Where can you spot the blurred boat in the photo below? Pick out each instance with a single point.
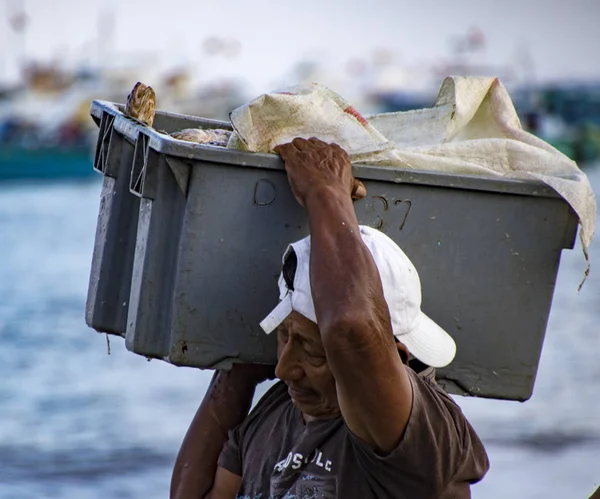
(31, 151)
(45, 129)
(44, 163)
(566, 115)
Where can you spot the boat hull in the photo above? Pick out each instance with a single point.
(19, 163)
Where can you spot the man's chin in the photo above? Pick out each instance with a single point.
(309, 411)
(313, 410)
(301, 396)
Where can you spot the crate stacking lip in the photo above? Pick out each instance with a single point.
(189, 242)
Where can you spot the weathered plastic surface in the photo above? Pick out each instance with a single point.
(112, 261)
(118, 153)
(213, 223)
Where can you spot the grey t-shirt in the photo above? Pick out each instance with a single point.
(279, 456)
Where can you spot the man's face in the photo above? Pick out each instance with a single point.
(302, 365)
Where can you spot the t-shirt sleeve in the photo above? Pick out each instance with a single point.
(231, 457)
(438, 451)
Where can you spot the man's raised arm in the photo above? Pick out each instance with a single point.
(373, 388)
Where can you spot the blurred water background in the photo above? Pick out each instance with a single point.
(77, 423)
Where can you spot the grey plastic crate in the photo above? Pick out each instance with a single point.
(120, 155)
(213, 223)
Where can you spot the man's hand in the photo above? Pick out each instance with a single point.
(312, 164)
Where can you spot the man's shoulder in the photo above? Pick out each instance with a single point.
(425, 382)
(276, 398)
(431, 399)
(433, 407)
(272, 416)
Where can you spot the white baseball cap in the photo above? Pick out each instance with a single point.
(425, 340)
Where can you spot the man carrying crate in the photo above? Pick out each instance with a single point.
(350, 418)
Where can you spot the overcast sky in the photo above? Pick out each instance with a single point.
(562, 37)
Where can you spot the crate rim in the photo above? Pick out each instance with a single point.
(164, 144)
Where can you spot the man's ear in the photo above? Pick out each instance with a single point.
(402, 350)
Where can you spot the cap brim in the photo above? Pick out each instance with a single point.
(429, 343)
(277, 315)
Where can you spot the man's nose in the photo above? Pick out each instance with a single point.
(288, 366)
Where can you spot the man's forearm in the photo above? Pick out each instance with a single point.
(344, 278)
(225, 405)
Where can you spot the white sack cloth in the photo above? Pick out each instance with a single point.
(473, 129)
